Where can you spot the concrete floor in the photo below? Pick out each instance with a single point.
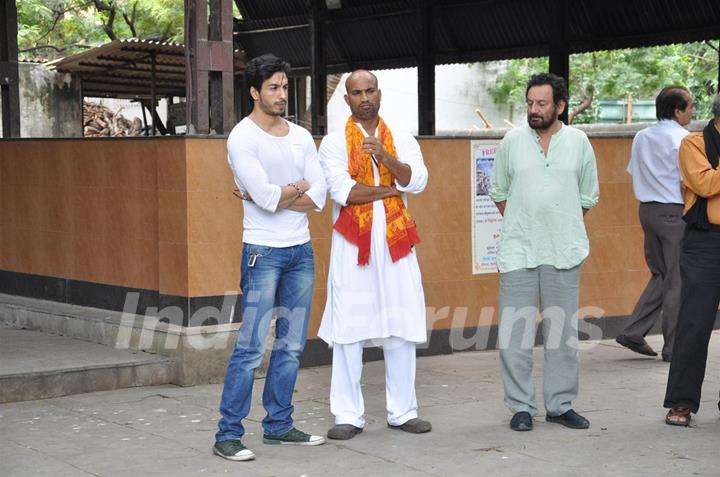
(22, 352)
(168, 430)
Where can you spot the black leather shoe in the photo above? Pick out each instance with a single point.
(641, 348)
(521, 421)
(570, 419)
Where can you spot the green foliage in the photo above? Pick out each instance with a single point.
(509, 87)
(56, 23)
(65, 26)
(162, 20)
(614, 75)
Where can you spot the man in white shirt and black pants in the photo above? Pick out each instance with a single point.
(657, 185)
(277, 171)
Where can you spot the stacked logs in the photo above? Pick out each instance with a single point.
(99, 120)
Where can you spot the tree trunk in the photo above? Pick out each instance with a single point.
(584, 104)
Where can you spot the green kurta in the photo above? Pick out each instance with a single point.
(543, 222)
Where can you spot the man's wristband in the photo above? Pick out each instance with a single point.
(297, 189)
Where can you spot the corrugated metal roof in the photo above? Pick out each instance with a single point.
(123, 68)
(377, 33)
(258, 10)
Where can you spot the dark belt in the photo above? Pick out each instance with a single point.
(660, 203)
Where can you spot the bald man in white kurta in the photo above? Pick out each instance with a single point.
(378, 304)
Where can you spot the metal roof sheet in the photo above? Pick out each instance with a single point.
(386, 33)
(123, 68)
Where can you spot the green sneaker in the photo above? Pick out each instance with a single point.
(294, 436)
(233, 449)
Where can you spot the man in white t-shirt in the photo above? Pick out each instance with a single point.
(277, 171)
(374, 293)
(656, 182)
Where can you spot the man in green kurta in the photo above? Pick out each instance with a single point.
(544, 181)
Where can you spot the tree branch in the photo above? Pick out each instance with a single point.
(584, 104)
(101, 6)
(131, 20)
(108, 27)
(52, 47)
(59, 13)
(716, 48)
(587, 98)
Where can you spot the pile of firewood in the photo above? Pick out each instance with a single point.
(99, 120)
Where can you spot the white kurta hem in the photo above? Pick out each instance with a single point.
(382, 299)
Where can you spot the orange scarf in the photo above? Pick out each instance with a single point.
(355, 220)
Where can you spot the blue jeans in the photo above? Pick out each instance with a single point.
(276, 282)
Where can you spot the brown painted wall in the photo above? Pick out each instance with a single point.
(160, 214)
(84, 210)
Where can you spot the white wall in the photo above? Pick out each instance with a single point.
(49, 103)
(459, 91)
(399, 100)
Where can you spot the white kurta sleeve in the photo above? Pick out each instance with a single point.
(409, 153)
(333, 160)
(314, 175)
(250, 175)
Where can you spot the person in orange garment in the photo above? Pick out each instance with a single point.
(699, 268)
(374, 288)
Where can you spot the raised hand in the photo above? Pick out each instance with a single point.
(373, 145)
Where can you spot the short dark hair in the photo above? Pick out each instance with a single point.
(557, 83)
(669, 99)
(263, 67)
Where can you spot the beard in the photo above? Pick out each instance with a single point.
(272, 109)
(538, 122)
(368, 113)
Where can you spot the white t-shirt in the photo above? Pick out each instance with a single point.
(654, 163)
(262, 164)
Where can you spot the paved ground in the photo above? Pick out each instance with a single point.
(168, 430)
(18, 353)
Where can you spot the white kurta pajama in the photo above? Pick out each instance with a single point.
(379, 304)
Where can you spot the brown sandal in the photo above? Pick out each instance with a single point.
(678, 416)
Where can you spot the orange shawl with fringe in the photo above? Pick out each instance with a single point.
(355, 220)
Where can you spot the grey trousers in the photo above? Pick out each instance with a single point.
(663, 227)
(554, 294)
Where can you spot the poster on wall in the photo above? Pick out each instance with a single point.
(486, 218)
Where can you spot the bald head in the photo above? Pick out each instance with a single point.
(362, 95)
(360, 75)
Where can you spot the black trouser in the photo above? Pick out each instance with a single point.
(700, 296)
